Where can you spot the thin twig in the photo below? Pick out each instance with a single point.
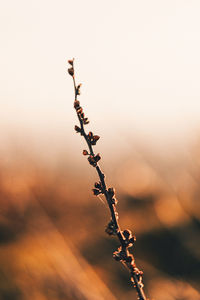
(125, 237)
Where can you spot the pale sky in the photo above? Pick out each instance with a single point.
(138, 61)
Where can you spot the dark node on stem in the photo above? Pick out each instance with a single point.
(96, 138)
(130, 240)
(110, 228)
(93, 138)
(98, 188)
(78, 92)
(111, 192)
(77, 129)
(79, 110)
(92, 161)
(98, 185)
(76, 104)
(127, 234)
(85, 121)
(71, 71)
(94, 141)
(97, 157)
(114, 201)
(120, 255)
(96, 192)
(133, 239)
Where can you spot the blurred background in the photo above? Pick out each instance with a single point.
(139, 65)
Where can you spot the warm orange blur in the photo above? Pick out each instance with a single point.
(53, 244)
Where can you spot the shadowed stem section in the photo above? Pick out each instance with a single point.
(125, 237)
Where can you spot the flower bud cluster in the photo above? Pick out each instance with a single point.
(93, 138)
(77, 106)
(121, 255)
(98, 189)
(129, 238)
(80, 112)
(93, 159)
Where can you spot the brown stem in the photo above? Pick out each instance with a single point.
(129, 263)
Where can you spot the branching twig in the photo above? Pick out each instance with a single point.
(125, 237)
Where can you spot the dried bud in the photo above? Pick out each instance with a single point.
(96, 192)
(93, 138)
(96, 138)
(117, 256)
(93, 142)
(98, 188)
(82, 115)
(79, 110)
(97, 157)
(110, 228)
(86, 121)
(127, 234)
(85, 152)
(78, 92)
(92, 161)
(71, 71)
(97, 185)
(71, 62)
(111, 192)
(132, 240)
(77, 129)
(76, 104)
(114, 201)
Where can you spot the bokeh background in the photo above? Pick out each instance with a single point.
(139, 64)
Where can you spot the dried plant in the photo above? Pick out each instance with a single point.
(125, 237)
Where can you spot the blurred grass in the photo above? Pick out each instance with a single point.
(53, 244)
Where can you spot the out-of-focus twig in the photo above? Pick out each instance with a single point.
(125, 237)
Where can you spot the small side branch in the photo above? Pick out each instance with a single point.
(125, 237)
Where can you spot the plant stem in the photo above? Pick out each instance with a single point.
(126, 258)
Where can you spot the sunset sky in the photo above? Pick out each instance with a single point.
(138, 61)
